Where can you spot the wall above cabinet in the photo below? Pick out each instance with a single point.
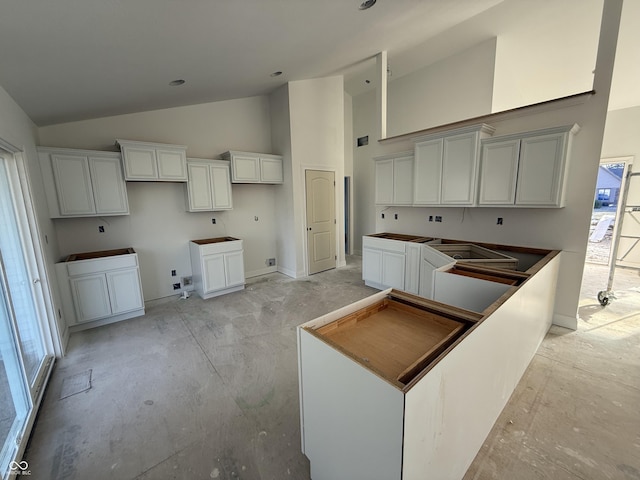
(247, 167)
(209, 185)
(83, 183)
(153, 162)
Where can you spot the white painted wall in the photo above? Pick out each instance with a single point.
(443, 92)
(564, 229)
(549, 53)
(317, 142)
(284, 199)
(349, 145)
(159, 227)
(621, 135)
(452, 89)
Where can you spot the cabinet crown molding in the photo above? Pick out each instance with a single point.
(572, 129)
(390, 156)
(75, 151)
(481, 127)
(136, 143)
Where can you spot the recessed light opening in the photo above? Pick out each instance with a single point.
(175, 83)
(367, 4)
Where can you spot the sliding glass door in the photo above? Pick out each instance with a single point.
(14, 399)
(24, 354)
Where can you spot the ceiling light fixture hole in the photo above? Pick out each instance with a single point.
(176, 83)
(367, 4)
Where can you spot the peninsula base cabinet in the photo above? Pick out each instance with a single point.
(359, 422)
(97, 291)
(383, 263)
(217, 265)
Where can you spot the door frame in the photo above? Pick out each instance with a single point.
(339, 239)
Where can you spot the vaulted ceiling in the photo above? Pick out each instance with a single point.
(65, 60)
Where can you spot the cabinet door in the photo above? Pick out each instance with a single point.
(412, 268)
(541, 170)
(459, 169)
(213, 276)
(73, 184)
(140, 163)
(384, 182)
(234, 268)
(403, 181)
(221, 184)
(199, 191)
(393, 270)
(125, 291)
(245, 169)
(109, 188)
(372, 265)
(90, 297)
(271, 170)
(498, 172)
(427, 172)
(172, 165)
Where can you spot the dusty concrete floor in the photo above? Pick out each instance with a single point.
(575, 414)
(208, 389)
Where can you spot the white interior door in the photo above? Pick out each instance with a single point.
(321, 220)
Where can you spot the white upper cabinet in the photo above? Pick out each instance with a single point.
(527, 169)
(153, 162)
(209, 185)
(446, 166)
(428, 172)
(83, 183)
(394, 179)
(249, 167)
(499, 172)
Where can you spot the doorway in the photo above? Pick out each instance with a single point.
(606, 203)
(321, 220)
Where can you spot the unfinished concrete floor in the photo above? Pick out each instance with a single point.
(209, 389)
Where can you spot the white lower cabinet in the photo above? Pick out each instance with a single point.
(217, 265)
(383, 263)
(100, 287)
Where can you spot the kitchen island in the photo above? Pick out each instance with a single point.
(397, 386)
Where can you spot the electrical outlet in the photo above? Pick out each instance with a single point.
(499, 222)
(271, 262)
(395, 215)
(176, 286)
(382, 215)
(431, 218)
(213, 220)
(173, 273)
(438, 218)
(101, 228)
(255, 219)
(186, 281)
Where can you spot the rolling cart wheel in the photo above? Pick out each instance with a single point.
(603, 298)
